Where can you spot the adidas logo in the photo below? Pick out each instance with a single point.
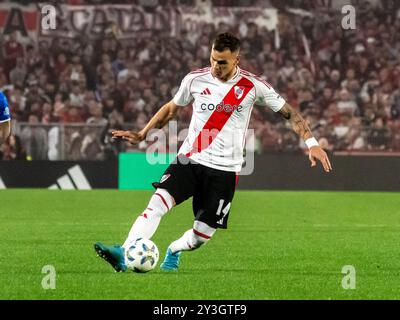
(206, 92)
(74, 179)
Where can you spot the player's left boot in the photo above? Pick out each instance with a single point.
(114, 255)
(171, 261)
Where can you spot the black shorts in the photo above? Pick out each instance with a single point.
(212, 190)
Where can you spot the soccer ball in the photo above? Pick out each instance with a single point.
(141, 255)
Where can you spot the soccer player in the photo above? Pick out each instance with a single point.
(211, 156)
(5, 119)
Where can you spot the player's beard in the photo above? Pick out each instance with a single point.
(223, 77)
(217, 74)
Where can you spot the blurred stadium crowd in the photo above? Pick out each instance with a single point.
(348, 87)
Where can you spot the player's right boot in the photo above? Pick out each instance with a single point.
(114, 255)
(171, 261)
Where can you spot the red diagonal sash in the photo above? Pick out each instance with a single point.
(218, 119)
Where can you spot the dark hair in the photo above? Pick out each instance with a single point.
(226, 41)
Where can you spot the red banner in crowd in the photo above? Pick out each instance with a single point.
(127, 21)
(24, 19)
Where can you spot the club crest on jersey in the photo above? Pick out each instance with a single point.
(239, 90)
(164, 177)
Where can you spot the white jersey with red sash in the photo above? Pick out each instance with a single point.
(221, 115)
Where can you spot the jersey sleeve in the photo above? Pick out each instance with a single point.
(266, 96)
(183, 97)
(4, 110)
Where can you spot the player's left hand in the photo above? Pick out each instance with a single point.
(317, 153)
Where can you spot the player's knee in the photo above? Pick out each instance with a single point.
(160, 203)
(198, 241)
(202, 233)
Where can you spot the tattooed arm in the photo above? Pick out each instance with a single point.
(167, 112)
(301, 127)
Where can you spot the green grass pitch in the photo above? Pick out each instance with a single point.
(279, 245)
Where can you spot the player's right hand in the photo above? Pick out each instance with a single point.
(131, 137)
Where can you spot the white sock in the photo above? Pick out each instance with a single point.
(146, 224)
(193, 238)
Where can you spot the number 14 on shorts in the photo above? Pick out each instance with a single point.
(225, 211)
